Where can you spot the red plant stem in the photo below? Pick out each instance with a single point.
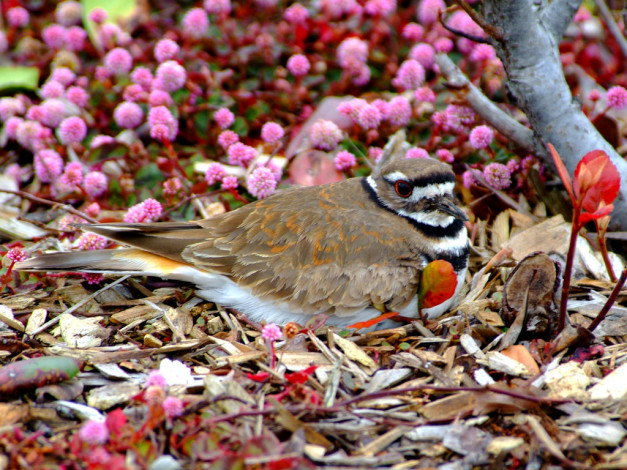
(568, 269)
(610, 301)
(606, 256)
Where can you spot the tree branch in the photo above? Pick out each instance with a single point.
(558, 14)
(605, 13)
(530, 55)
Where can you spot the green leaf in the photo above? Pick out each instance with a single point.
(149, 176)
(33, 373)
(116, 9)
(15, 76)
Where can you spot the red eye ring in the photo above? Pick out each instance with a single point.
(403, 188)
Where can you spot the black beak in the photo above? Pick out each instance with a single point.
(448, 206)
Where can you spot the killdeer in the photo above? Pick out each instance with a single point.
(338, 249)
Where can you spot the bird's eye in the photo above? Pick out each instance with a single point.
(403, 188)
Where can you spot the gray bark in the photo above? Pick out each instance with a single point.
(531, 32)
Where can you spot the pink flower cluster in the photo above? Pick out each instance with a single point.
(146, 211)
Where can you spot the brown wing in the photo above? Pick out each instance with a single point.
(313, 248)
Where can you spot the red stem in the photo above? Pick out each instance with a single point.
(605, 255)
(610, 301)
(576, 226)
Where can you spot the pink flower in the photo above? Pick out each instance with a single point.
(156, 379)
(410, 75)
(271, 332)
(399, 111)
(417, 152)
(159, 98)
(52, 111)
(325, 134)
(428, 11)
(215, 172)
(118, 61)
(99, 140)
(445, 155)
(162, 123)
(483, 52)
(10, 107)
(128, 115)
(146, 211)
(224, 117)
(93, 209)
(481, 137)
(94, 278)
(94, 432)
(16, 255)
(229, 182)
(424, 54)
(32, 135)
(98, 15)
(72, 130)
(352, 49)
(412, 32)
(73, 174)
(165, 49)
(91, 241)
(594, 95)
(172, 186)
(352, 107)
(344, 160)
(425, 94)
(456, 117)
(142, 76)
(217, 6)
(227, 138)
(616, 97)
(497, 175)
(75, 37)
(77, 95)
(11, 125)
(261, 182)
(241, 154)
(172, 406)
(512, 165)
(469, 179)
(48, 165)
(18, 17)
(298, 65)
(52, 89)
(380, 7)
(271, 132)
(195, 23)
(68, 13)
(374, 153)
(170, 76)
(95, 183)
(369, 117)
(296, 13)
(133, 92)
(444, 45)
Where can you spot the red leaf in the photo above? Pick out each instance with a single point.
(300, 377)
(604, 211)
(259, 377)
(116, 419)
(438, 283)
(596, 182)
(563, 172)
(368, 323)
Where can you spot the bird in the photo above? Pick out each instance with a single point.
(349, 249)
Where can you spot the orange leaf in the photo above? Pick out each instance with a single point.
(563, 172)
(368, 323)
(438, 283)
(521, 354)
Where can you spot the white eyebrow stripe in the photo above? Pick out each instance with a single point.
(395, 176)
(432, 191)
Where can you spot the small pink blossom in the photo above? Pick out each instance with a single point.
(16, 255)
(261, 183)
(93, 278)
(91, 241)
(159, 98)
(99, 140)
(399, 111)
(616, 97)
(229, 182)
(594, 95)
(380, 7)
(445, 155)
(325, 134)
(215, 172)
(11, 125)
(93, 209)
(344, 160)
(172, 186)
(412, 32)
(98, 15)
(52, 89)
(352, 49)
(468, 179)
(142, 76)
(77, 95)
(217, 6)
(10, 107)
(72, 130)
(298, 65)
(68, 13)
(165, 49)
(374, 153)
(497, 175)
(227, 138)
(425, 94)
(369, 117)
(156, 379)
(118, 61)
(241, 154)
(428, 11)
(146, 211)
(417, 152)
(443, 45)
(296, 13)
(483, 52)
(224, 117)
(424, 54)
(170, 76)
(75, 38)
(410, 75)
(73, 174)
(94, 432)
(95, 183)
(128, 115)
(133, 92)
(271, 132)
(162, 123)
(18, 17)
(51, 112)
(271, 332)
(48, 165)
(195, 23)
(481, 137)
(172, 406)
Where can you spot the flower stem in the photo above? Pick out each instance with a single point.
(606, 256)
(569, 268)
(610, 301)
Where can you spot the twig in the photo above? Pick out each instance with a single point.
(457, 32)
(605, 13)
(48, 202)
(480, 20)
(610, 301)
(75, 307)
